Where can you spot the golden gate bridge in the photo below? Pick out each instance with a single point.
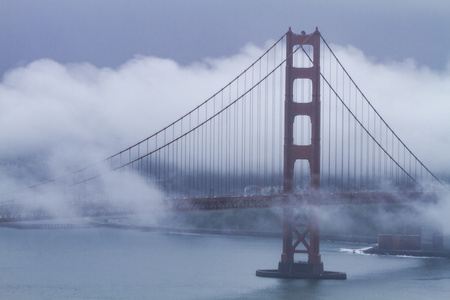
(293, 130)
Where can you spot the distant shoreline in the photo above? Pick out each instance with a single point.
(227, 232)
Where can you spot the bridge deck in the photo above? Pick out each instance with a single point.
(16, 212)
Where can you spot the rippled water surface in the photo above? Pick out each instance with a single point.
(102, 263)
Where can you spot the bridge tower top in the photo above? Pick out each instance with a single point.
(310, 108)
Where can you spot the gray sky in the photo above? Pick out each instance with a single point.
(109, 32)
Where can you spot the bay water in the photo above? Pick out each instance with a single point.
(106, 263)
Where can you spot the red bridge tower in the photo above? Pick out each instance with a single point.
(306, 221)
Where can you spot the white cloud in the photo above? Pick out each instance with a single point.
(412, 99)
(76, 114)
(46, 105)
(57, 118)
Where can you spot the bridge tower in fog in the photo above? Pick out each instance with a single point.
(300, 223)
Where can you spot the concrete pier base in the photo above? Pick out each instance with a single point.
(301, 270)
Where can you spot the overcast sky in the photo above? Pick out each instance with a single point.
(67, 66)
(109, 32)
